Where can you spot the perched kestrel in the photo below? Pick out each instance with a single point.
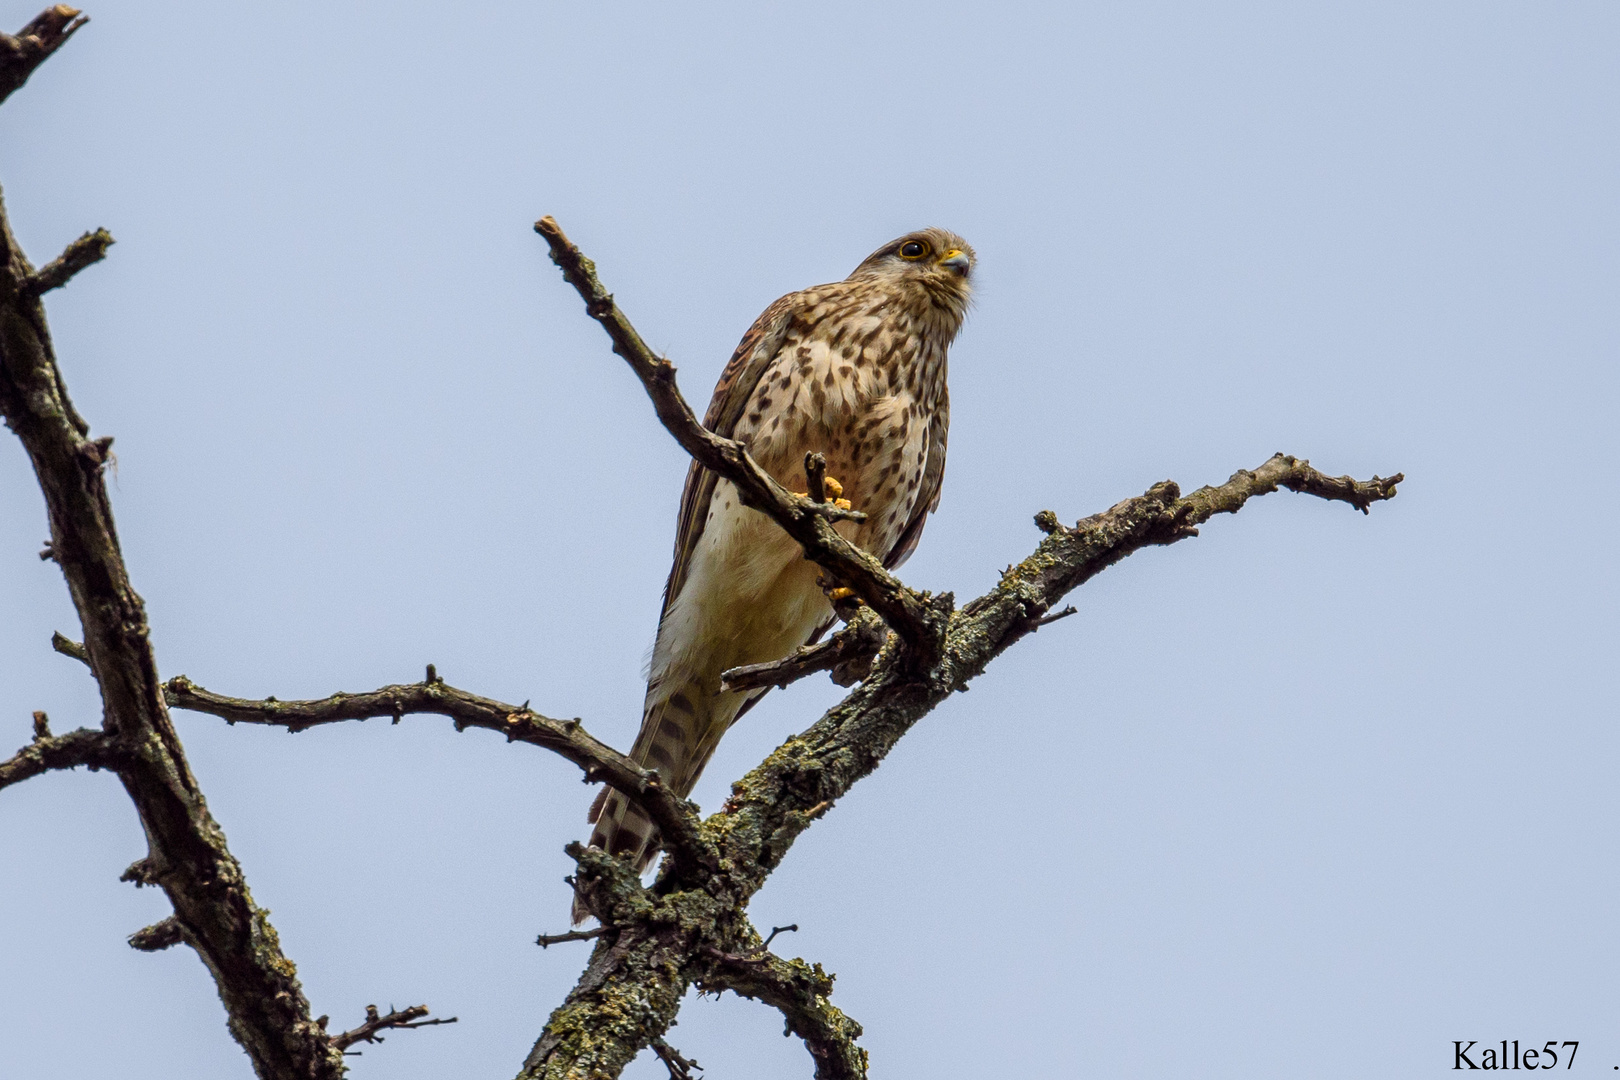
(856, 371)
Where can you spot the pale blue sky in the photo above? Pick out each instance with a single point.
(1314, 794)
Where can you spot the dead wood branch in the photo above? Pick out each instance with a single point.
(34, 44)
(47, 752)
(87, 250)
(547, 940)
(799, 991)
(675, 817)
(163, 934)
(188, 857)
(680, 1068)
(376, 1022)
(853, 648)
(68, 647)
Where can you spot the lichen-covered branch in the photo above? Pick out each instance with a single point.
(917, 618)
(771, 805)
(675, 817)
(799, 991)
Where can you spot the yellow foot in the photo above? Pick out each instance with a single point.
(833, 490)
(843, 594)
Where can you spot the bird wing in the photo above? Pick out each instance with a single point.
(754, 353)
(927, 500)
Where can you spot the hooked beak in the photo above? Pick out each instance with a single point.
(957, 261)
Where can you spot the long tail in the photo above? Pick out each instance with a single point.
(679, 732)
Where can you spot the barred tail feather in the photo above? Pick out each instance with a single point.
(673, 734)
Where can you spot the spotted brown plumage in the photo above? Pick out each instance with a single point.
(854, 370)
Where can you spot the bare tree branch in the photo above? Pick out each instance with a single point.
(87, 250)
(188, 856)
(690, 926)
(548, 940)
(379, 1022)
(34, 44)
(680, 1068)
(163, 934)
(68, 647)
(799, 991)
(675, 817)
(47, 752)
(852, 647)
(774, 803)
(917, 618)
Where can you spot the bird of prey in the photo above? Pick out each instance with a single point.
(854, 370)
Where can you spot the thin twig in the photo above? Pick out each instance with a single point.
(1048, 620)
(375, 1023)
(858, 641)
(68, 647)
(680, 1068)
(546, 940)
(791, 928)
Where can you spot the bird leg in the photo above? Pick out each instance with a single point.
(844, 601)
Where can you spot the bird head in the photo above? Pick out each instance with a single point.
(939, 261)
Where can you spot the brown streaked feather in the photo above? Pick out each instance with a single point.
(928, 494)
(858, 362)
(731, 394)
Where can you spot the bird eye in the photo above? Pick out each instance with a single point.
(913, 249)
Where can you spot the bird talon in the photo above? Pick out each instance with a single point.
(843, 594)
(832, 492)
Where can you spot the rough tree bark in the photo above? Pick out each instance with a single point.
(905, 651)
